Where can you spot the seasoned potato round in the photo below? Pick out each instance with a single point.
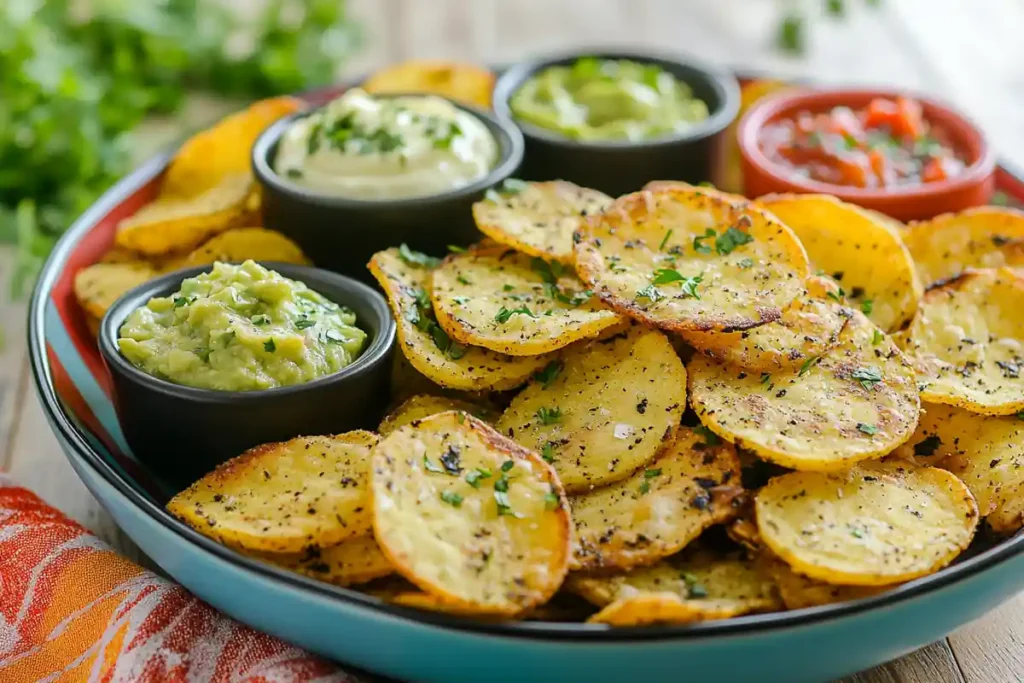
(424, 405)
(467, 83)
(605, 411)
(968, 338)
(427, 347)
(656, 185)
(538, 218)
(947, 245)
(356, 560)
(875, 524)
(284, 497)
(865, 254)
(807, 329)
(242, 244)
(798, 591)
(648, 609)
(686, 259)
(515, 304)
(857, 401)
(469, 516)
(660, 509)
(98, 286)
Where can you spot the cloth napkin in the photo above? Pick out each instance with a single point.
(71, 609)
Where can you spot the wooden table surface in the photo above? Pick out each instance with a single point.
(967, 52)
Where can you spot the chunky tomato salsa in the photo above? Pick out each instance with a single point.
(886, 144)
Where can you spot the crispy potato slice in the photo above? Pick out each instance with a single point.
(356, 560)
(865, 254)
(224, 150)
(657, 185)
(179, 224)
(272, 498)
(857, 401)
(986, 452)
(469, 516)
(947, 245)
(687, 259)
(515, 304)
(798, 591)
(242, 244)
(660, 509)
(424, 405)
(876, 524)
(466, 83)
(538, 218)
(98, 286)
(968, 338)
(648, 609)
(454, 366)
(807, 329)
(605, 411)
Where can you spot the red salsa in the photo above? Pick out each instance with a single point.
(886, 144)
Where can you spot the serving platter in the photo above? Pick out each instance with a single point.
(811, 644)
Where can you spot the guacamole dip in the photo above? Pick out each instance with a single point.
(363, 147)
(606, 99)
(241, 328)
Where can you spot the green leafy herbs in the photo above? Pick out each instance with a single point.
(422, 316)
(549, 416)
(867, 306)
(549, 373)
(695, 590)
(452, 498)
(710, 438)
(474, 477)
(547, 452)
(746, 263)
(730, 239)
(180, 301)
(269, 346)
(865, 428)
(838, 296)
(549, 272)
(651, 293)
(551, 501)
(664, 240)
(505, 314)
(511, 186)
(806, 367)
(876, 337)
(868, 377)
(431, 466)
(456, 249)
(417, 258)
(698, 242)
(304, 324)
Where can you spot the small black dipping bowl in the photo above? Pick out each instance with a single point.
(342, 234)
(184, 432)
(617, 167)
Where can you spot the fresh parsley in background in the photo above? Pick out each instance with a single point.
(76, 77)
(792, 31)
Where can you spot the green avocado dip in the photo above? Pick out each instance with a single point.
(241, 328)
(608, 99)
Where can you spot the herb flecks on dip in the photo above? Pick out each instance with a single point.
(241, 328)
(608, 99)
(359, 146)
(889, 143)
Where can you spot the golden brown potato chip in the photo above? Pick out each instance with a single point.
(538, 218)
(356, 560)
(116, 254)
(178, 224)
(798, 591)
(968, 338)
(272, 498)
(466, 83)
(807, 329)
(98, 286)
(243, 244)
(985, 452)
(686, 259)
(208, 158)
(92, 323)
(428, 348)
(865, 254)
(469, 516)
(857, 401)
(947, 245)
(648, 609)
(604, 411)
(386, 588)
(876, 524)
(710, 190)
(424, 405)
(515, 304)
(660, 509)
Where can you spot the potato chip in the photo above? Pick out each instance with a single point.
(428, 348)
(857, 401)
(660, 509)
(514, 304)
(798, 591)
(865, 254)
(602, 412)
(947, 245)
(211, 156)
(538, 218)
(92, 323)
(356, 560)
(968, 338)
(243, 244)
(98, 286)
(985, 452)
(686, 259)
(285, 497)
(178, 224)
(807, 329)
(466, 83)
(469, 516)
(116, 254)
(386, 588)
(649, 609)
(875, 524)
(704, 188)
(424, 405)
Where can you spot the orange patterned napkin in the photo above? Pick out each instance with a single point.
(71, 609)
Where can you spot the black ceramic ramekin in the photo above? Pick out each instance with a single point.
(618, 167)
(342, 234)
(184, 432)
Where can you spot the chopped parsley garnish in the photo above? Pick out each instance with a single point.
(651, 474)
(417, 258)
(443, 140)
(474, 477)
(664, 276)
(503, 503)
(551, 500)
(644, 488)
(460, 300)
(710, 438)
(304, 324)
(549, 374)
(807, 366)
(462, 280)
(504, 314)
(746, 263)
(765, 378)
(650, 292)
(456, 249)
(452, 498)
(507, 465)
(698, 242)
(269, 346)
(927, 445)
(431, 467)
(293, 173)
(664, 240)
(868, 377)
(839, 296)
(877, 337)
(856, 533)
(549, 416)
(867, 306)
(730, 239)
(511, 186)
(507, 288)
(865, 428)
(1020, 415)
(548, 271)
(180, 301)
(694, 588)
(547, 452)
